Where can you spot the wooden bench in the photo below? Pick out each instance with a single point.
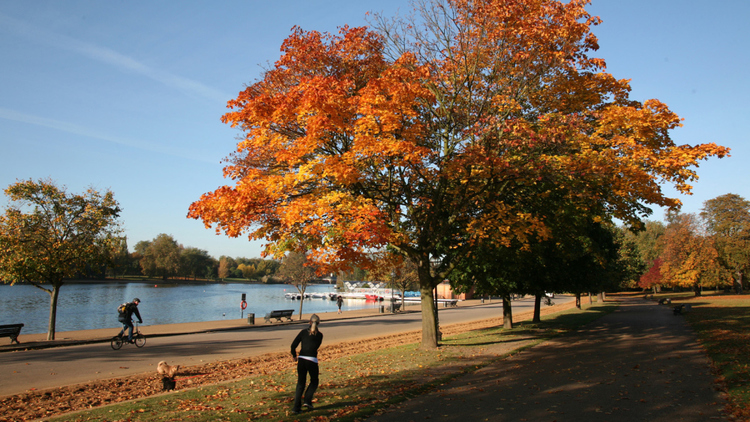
(278, 315)
(12, 331)
(395, 307)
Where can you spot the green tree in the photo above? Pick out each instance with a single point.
(629, 258)
(266, 268)
(640, 246)
(648, 240)
(296, 270)
(194, 262)
(494, 271)
(48, 236)
(121, 260)
(727, 219)
(595, 264)
(161, 256)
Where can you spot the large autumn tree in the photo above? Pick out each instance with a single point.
(689, 258)
(431, 136)
(48, 236)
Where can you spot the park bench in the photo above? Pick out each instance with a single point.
(278, 315)
(449, 302)
(12, 331)
(682, 309)
(395, 306)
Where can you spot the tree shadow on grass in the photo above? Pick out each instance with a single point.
(515, 339)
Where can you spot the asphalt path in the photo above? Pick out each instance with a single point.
(77, 364)
(639, 363)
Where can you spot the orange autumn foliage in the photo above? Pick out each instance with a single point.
(689, 257)
(433, 136)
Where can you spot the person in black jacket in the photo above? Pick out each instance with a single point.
(126, 318)
(307, 362)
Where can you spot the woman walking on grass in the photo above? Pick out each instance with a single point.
(307, 362)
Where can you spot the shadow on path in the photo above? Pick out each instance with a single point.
(640, 363)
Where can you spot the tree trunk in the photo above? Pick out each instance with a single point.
(438, 333)
(537, 307)
(507, 313)
(429, 331)
(601, 297)
(54, 294)
(301, 291)
(578, 300)
(738, 283)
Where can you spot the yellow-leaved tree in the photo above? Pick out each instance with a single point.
(689, 257)
(48, 236)
(435, 135)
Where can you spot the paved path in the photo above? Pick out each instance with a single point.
(87, 355)
(640, 363)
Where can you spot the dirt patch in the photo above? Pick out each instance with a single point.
(46, 403)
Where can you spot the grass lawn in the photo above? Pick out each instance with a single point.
(352, 387)
(722, 323)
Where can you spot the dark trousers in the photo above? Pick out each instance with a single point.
(304, 367)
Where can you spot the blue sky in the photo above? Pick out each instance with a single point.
(128, 96)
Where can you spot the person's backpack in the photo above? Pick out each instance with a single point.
(122, 310)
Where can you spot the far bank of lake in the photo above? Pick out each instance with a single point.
(93, 305)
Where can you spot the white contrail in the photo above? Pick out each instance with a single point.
(111, 57)
(83, 131)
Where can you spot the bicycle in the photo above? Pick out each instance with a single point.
(138, 338)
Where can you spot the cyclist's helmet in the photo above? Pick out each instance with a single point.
(136, 300)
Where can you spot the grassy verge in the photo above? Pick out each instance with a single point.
(723, 327)
(352, 387)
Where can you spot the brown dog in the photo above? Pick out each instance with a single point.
(167, 371)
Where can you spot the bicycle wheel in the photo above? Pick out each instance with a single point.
(116, 342)
(140, 340)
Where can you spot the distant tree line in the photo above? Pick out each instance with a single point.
(165, 258)
(709, 250)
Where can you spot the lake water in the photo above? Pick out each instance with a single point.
(85, 306)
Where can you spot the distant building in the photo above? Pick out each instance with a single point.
(444, 291)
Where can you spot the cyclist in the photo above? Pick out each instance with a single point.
(126, 318)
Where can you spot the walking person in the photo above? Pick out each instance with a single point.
(307, 363)
(340, 301)
(125, 316)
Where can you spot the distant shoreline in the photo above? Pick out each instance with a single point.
(152, 281)
(167, 282)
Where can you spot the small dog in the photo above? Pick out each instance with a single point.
(167, 372)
